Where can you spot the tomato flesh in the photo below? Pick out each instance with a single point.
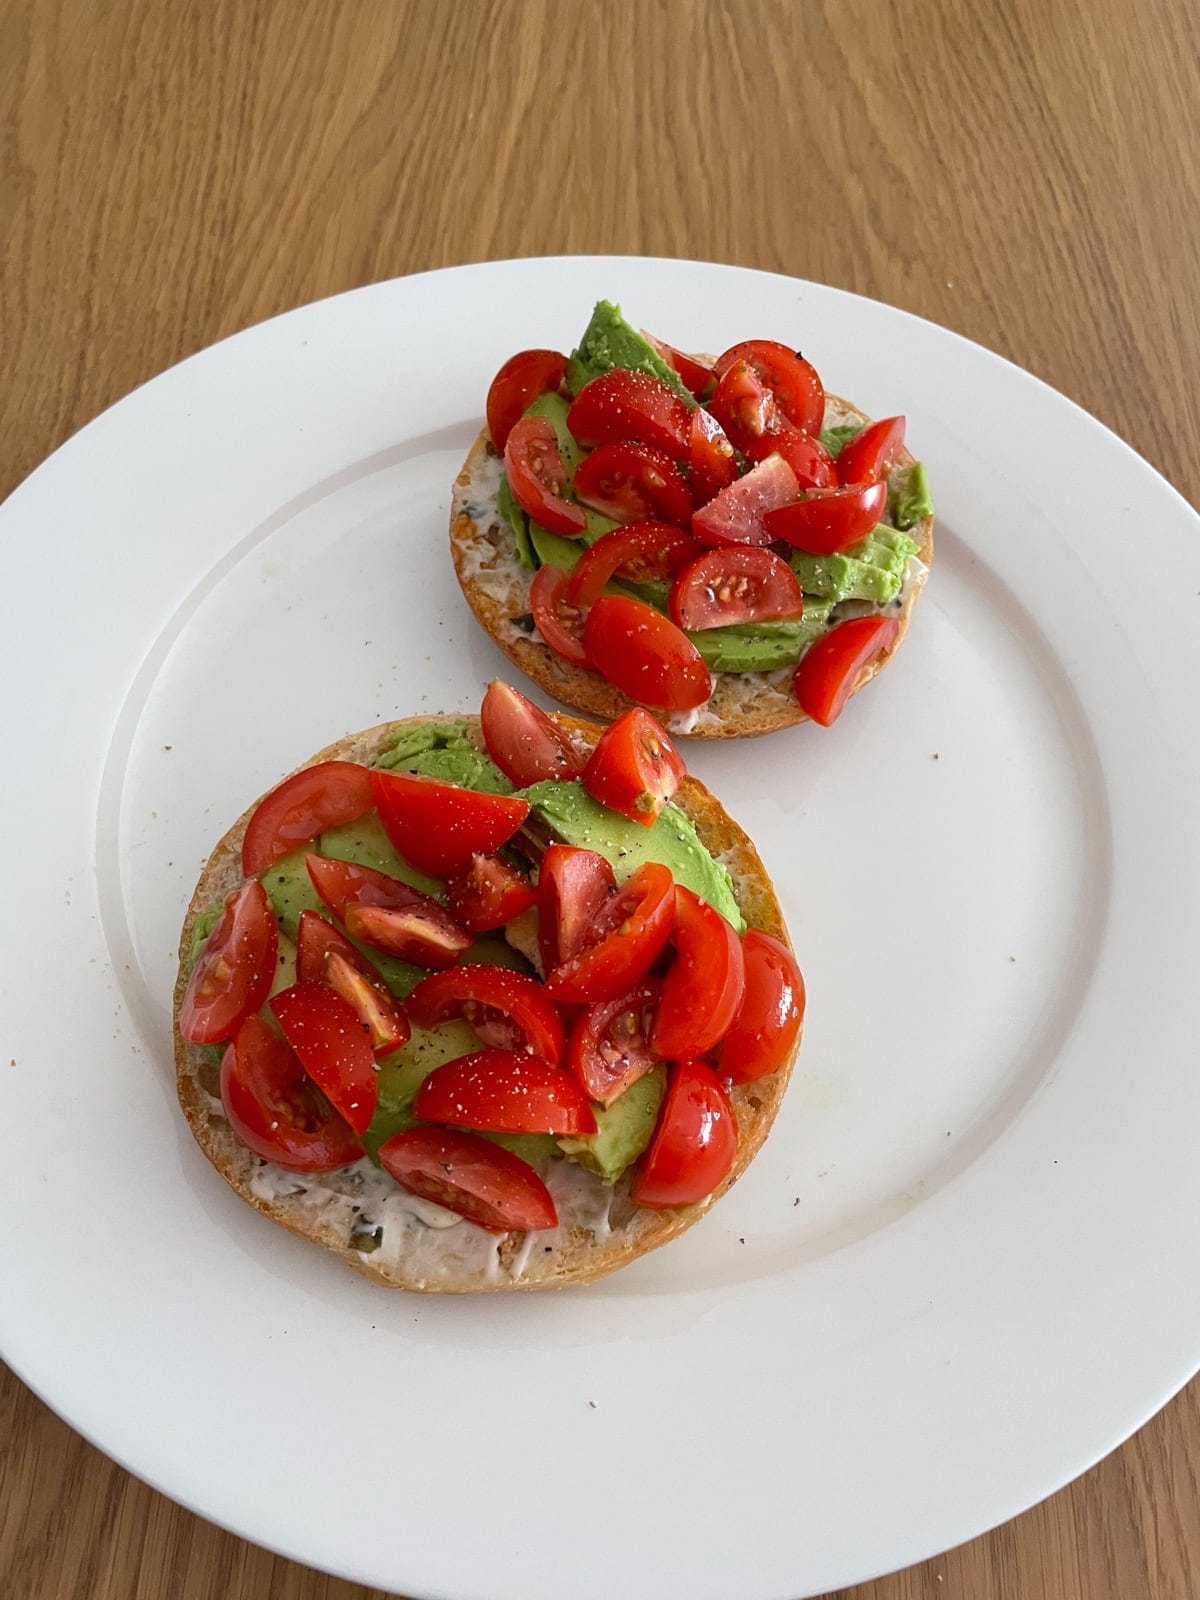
(694, 374)
(300, 808)
(488, 894)
(276, 1110)
(517, 385)
(574, 886)
(471, 1177)
(323, 955)
(536, 474)
(830, 667)
(234, 971)
(473, 991)
(657, 548)
(870, 453)
(625, 939)
(424, 934)
(609, 1047)
(735, 515)
(333, 1047)
(632, 482)
(561, 627)
(644, 654)
(734, 584)
(342, 884)
(634, 768)
(522, 740)
(504, 1091)
(792, 381)
(694, 1144)
(711, 460)
(809, 460)
(768, 1021)
(620, 406)
(829, 520)
(704, 984)
(439, 826)
(743, 405)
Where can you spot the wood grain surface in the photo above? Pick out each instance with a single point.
(1024, 171)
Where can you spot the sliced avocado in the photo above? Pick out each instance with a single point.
(872, 569)
(609, 341)
(838, 435)
(444, 750)
(762, 646)
(622, 1131)
(494, 951)
(402, 1073)
(536, 1148)
(909, 499)
(518, 522)
(285, 966)
(366, 843)
(201, 928)
(574, 817)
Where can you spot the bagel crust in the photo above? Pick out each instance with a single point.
(496, 588)
(423, 1247)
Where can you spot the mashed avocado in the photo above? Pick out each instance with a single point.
(609, 341)
(443, 750)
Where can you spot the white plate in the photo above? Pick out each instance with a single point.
(964, 1267)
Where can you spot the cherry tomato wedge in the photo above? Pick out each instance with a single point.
(323, 955)
(657, 548)
(574, 886)
(735, 515)
(342, 884)
(694, 374)
(302, 807)
(710, 457)
(829, 520)
(644, 654)
(633, 483)
(536, 474)
(489, 893)
(609, 1047)
(517, 385)
(694, 1144)
(625, 939)
(634, 768)
(620, 405)
(794, 384)
(275, 1110)
(504, 1091)
(233, 973)
(522, 740)
(438, 826)
(733, 584)
(472, 991)
(771, 1014)
(809, 460)
(471, 1177)
(743, 405)
(869, 454)
(560, 626)
(831, 667)
(704, 984)
(333, 1047)
(424, 934)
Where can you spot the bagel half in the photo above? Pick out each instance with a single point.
(496, 588)
(600, 1229)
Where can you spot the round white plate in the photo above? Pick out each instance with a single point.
(965, 1265)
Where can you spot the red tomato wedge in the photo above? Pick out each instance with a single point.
(233, 973)
(736, 515)
(560, 626)
(634, 768)
(333, 1047)
(471, 1177)
(695, 374)
(473, 991)
(323, 955)
(342, 884)
(504, 1091)
(302, 807)
(744, 406)
(517, 385)
(809, 460)
(438, 826)
(710, 457)
(831, 667)
(736, 583)
(609, 1047)
(574, 886)
(621, 406)
(522, 740)
(704, 984)
(869, 454)
(625, 939)
(633, 483)
(654, 549)
(536, 475)
(829, 520)
(423, 934)
(792, 381)
(771, 1014)
(489, 893)
(275, 1110)
(644, 654)
(694, 1144)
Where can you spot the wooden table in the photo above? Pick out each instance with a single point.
(1025, 171)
